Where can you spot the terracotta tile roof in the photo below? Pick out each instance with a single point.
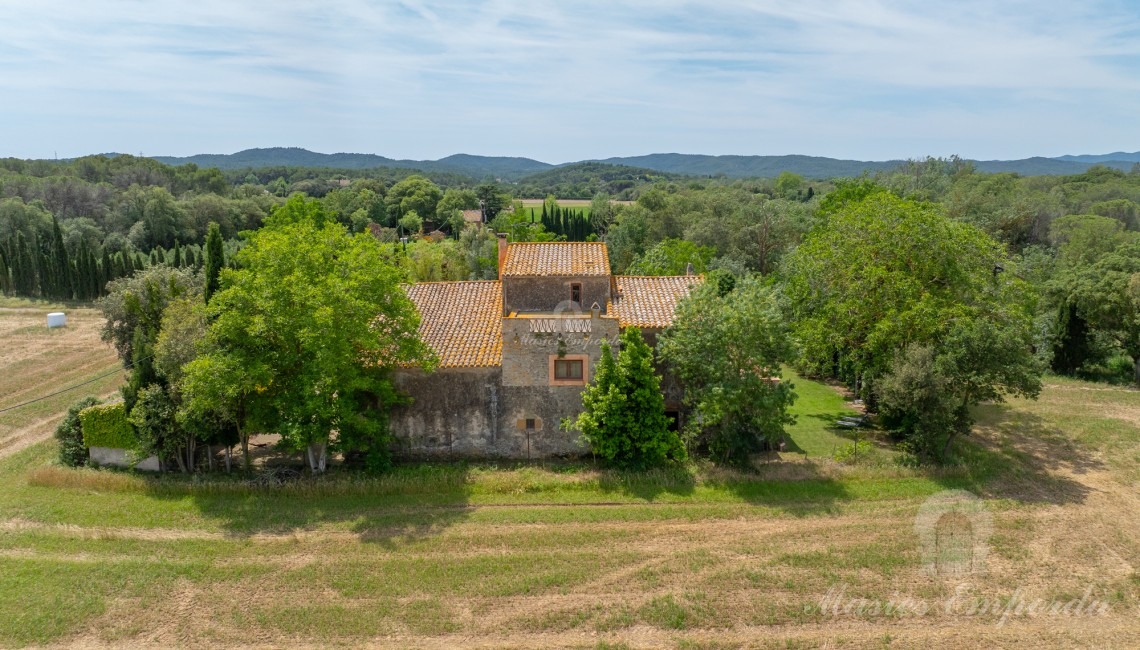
(461, 321)
(557, 258)
(473, 216)
(642, 301)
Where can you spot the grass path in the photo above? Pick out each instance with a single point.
(565, 555)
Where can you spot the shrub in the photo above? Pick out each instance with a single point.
(917, 404)
(69, 433)
(851, 453)
(624, 419)
(107, 426)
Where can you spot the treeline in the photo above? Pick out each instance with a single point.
(586, 180)
(572, 225)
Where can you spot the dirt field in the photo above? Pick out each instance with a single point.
(35, 361)
(810, 553)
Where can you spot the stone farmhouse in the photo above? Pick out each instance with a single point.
(515, 353)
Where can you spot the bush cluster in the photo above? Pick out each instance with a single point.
(106, 425)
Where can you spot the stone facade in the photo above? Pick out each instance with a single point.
(516, 354)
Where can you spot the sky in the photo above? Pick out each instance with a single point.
(567, 80)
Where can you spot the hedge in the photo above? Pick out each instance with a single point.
(107, 426)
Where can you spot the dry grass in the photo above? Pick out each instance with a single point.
(36, 361)
(571, 556)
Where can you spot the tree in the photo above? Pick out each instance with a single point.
(413, 194)
(927, 395)
(152, 417)
(1107, 297)
(411, 223)
(916, 403)
(673, 257)
(69, 433)
(627, 238)
(882, 273)
(215, 259)
(492, 200)
(727, 350)
(304, 333)
(136, 303)
(61, 265)
(788, 184)
(623, 418)
(1083, 238)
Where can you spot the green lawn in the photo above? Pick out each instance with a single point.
(568, 555)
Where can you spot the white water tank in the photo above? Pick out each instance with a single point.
(57, 319)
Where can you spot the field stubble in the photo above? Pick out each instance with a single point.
(472, 555)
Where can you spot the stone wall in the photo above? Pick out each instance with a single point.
(526, 353)
(112, 457)
(511, 411)
(545, 294)
(468, 413)
(455, 411)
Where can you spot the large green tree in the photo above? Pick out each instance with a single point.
(304, 335)
(1106, 295)
(413, 194)
(884, 274)
(727, 350)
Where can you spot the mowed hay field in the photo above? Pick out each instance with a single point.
(565, 555)
(36, 361)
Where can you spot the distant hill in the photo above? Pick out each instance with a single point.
(585, 179)
(1118, 156)
(1038, 166)
(474, 166)
(751, 166)
(513, 169)
(818, 167)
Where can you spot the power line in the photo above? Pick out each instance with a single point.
(70, 388)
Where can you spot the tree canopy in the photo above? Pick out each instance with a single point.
(304, 334)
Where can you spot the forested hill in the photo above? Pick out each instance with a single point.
(585, 179)
(504, 168)
(753, 166)
(512, 169)
(819, 167)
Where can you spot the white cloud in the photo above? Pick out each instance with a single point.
(560, 81)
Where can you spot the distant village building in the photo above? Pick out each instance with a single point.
(516, 353)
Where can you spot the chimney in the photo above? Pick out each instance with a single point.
(502, 251)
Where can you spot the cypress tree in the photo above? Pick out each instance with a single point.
(94, 279)
(215, 258)
(5, 279)
(154, 259)
(108, 272)
(43, 269)
(623, 417)
(81, 273)
(177, 261)
(25, 279)
(62, 286)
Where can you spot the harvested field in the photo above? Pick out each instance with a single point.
(807, 553)
(36, 361)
